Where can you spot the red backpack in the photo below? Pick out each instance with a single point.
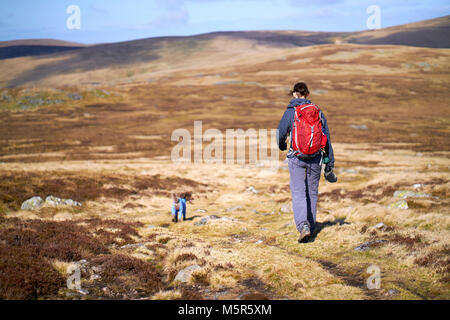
(307, 136)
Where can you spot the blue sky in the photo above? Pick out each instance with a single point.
(114, 20)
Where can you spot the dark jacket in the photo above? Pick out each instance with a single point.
(285, 127)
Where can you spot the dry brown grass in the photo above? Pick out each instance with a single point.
(113, 154)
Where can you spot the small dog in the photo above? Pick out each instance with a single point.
(179, 205)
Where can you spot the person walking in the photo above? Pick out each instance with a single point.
(310, 146)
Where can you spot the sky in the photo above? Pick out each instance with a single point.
(120, 20)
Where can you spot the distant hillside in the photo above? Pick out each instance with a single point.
(35, 47)
(57, 61)
(434, 33)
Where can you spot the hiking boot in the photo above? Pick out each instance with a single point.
(330, 176)
(305, 234)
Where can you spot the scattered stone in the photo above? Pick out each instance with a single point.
(359, 126)
(95, 277)
(393, 292)
(6, 98)
(55, 201)
(185, 274)
(34, 203)
(74, 96)
(97, 269)
(319, 92)
(259, 241)
(403, 194)
(402, 204)
(381, 226)
(417, 185)
(150, 226)
(200, 210)
(101, 93)
(286, 208)
(366, 245)
(72, 203)
(25, 107)
(133, 245)
(251, 189)
(205, 220)
(83, 291)
(34, 101)
(234, 208)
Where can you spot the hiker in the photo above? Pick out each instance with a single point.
(310, 146)
(179, 206)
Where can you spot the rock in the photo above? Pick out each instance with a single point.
(34, 101)
(381, 226)
(402, 204)
(403, 194)
(133, 245)
(200, 210)
(97, 269)
(205, 220)
(32, 204)
(366, 245)
(83, 291)
(6, 98)
(95, 277)
(319, 92)
(234, 208)
(259, 241)
(286, 208)
(82, 262)
(55, 201)
(72, 203)
(74, 96)
(185, 274)
(393, 292)
(417, 185)
(359, 126)
(251, 189)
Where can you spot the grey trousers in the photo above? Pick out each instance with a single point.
(304, 182)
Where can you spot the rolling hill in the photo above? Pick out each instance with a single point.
(96, 125)
(52, 62)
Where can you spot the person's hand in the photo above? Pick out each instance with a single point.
(329, 174)
(283, 146)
